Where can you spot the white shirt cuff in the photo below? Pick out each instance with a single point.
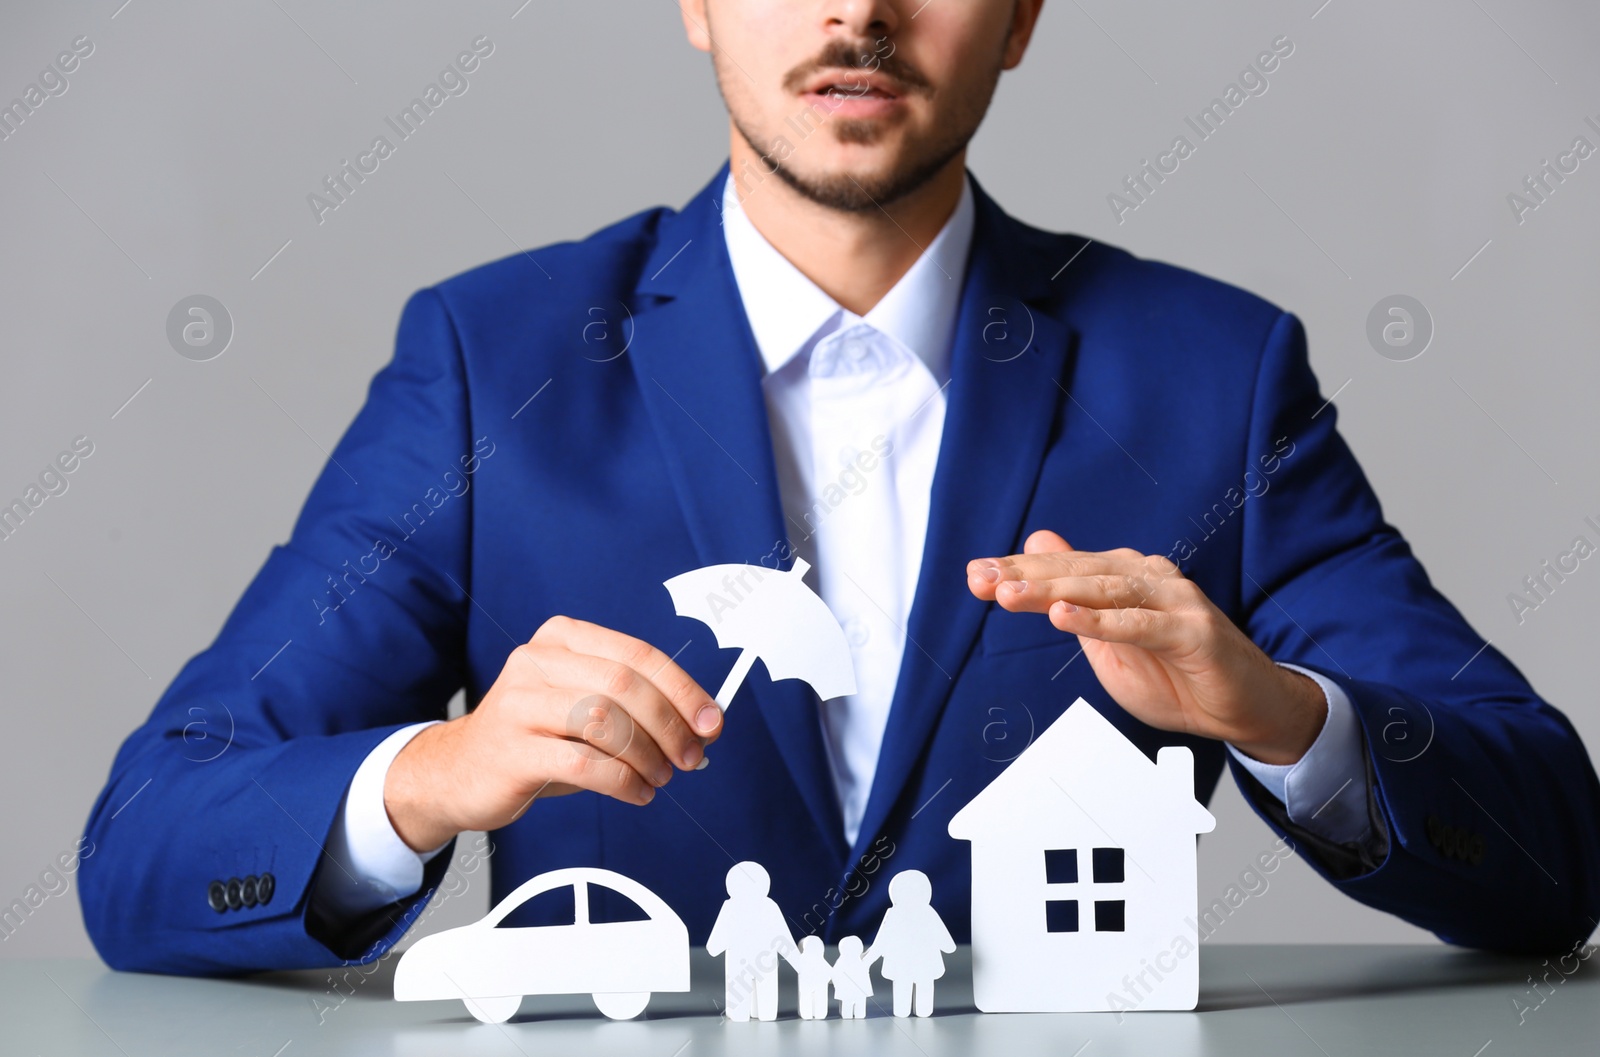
(372, 867)
(1326, 790)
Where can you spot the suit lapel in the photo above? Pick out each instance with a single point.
(1006, 362)
(699, 372)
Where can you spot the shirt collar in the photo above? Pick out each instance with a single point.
(787, 311)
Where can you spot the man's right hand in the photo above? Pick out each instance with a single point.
(578, 707)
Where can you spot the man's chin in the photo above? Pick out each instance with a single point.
(857, 185)
(851, 173)
(845, 189)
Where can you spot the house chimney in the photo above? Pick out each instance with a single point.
(1175, 764)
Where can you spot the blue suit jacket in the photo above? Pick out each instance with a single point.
(562, 430)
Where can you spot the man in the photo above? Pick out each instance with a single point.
(1024, 467)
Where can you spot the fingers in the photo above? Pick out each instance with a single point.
(1147, 628)
(1098, 591)
(579, 765)
(984, 574)
(1044, 564)
(1043, 541)
(576, 707)
(609, 713)
(614, 708)
(694, 706)
(1044, 560)
(1119, 595)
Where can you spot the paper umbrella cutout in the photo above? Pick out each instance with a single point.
(771, 614)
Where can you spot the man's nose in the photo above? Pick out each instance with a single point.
(861, 18)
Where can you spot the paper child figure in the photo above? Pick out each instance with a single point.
(910, 942)
(852, 978)
(751, 932)
(815, 973)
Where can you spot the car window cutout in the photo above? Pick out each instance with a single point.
(556, 906)
(608, 906)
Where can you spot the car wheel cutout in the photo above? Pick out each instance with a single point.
(493, 1010)
(622, 1005)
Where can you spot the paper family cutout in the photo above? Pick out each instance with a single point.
(1084, 873)
(771, 614)
(751, 936)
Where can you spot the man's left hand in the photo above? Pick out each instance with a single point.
(1158, 645)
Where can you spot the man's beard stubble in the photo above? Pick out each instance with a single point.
(847, 193)
(920, 162)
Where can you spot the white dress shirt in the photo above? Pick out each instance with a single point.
(856, 407)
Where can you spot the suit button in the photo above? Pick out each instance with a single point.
(265, 885)
(217, 896)
(235, 893)
(247, 891)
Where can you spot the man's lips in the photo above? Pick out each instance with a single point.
(855, 83)
(853, 94)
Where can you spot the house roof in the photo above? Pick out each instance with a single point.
(1082, 761)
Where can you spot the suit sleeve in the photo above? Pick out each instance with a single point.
(1482, 799)
(351, 630)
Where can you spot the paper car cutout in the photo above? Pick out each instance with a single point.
(490, 969)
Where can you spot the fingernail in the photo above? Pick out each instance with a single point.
(989, 574)
(692, 757)
(649, 795)
(1069, 607)
(1017, 586)
(664, 775)
(704, 761)
(706, 719)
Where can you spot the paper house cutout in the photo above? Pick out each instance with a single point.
(490, 968)
(1084, 874)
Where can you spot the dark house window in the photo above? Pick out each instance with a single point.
(1106, 867)
(1061, 915)
(1061, 866)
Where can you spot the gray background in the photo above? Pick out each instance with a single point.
(179, 160)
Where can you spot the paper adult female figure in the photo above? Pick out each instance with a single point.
(912, 942)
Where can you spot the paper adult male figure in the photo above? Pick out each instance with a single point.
(751, 933)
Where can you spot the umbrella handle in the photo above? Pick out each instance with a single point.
(730, 685)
